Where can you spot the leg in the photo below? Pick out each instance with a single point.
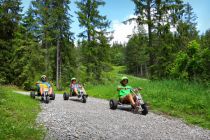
(41, 90)
(75, 91)
(128, 99)
(50, 91)
(134, 97)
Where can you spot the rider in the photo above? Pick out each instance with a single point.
(43, 84)
(76, 88)
(125, 94)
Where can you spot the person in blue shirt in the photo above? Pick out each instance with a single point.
(44, 85)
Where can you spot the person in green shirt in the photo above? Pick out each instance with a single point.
(125, 94)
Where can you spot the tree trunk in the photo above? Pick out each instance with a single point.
(141, 70)
(60, 69)
(151, 53)
(46, 55)
(146, 70)
(57, 65)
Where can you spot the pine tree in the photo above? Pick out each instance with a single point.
(53, 32)
(158, 16)
(117, 54)
(27, 61)
(9, 20)
(64, 39)
(135, 55)
(95, 27)
(186, 29)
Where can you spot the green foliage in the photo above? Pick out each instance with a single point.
(18, 116)
(90, 18)
(135, 55)
(8, 26)
(159, 16)
(29, 47)
(40, 42)
(26, 55)
(191, 64)
(95, 49)
(117, 54)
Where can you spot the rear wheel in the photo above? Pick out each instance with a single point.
(84, 99)
(65, 96)
(32, 94)
(113, 104)
(145, 110)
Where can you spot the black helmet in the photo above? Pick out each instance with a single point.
(43, 78)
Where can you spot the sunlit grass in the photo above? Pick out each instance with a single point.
(18, 115)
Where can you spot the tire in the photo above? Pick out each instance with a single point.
(32, 94)
(145, 110)
(84, 99)
(113, 104)
(52, 97)
(47, 99)
(65, 96)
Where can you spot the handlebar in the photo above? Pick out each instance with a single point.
(131, 89)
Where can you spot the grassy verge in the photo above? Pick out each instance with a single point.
(190, 101)
(18, 115)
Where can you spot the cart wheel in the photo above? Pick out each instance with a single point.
(84, 99)
(52, 96)
(113, 104)
(145, 110)
(47, 99)
(65, 96)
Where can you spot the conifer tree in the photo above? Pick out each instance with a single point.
(95, 26)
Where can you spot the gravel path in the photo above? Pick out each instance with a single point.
(94, 120)
(71, 119)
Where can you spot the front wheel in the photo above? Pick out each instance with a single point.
(84, 99)
(47, 99)
(145, 110)
(113, 104)
(65, 96)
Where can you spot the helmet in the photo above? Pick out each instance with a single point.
(43, 78)
(73, 78)
(124, 78)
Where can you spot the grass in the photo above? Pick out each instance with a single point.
(189, 101)
(18, 116)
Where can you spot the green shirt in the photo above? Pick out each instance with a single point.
(125, 91)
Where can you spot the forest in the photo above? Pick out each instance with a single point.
(40, 41)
